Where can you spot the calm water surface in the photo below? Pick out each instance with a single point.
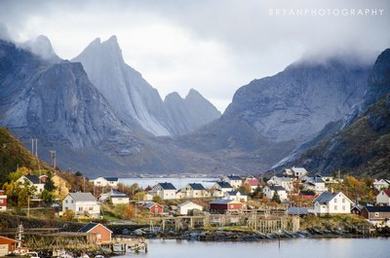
(302, 248)
(176, 181)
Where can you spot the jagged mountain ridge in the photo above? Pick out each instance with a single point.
(360, 144)
(57, 104)
(270, 117)
(132, 97)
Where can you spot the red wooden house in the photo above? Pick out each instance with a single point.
(225, 205)
(98, 232)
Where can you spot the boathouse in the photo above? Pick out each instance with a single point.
(100, 232)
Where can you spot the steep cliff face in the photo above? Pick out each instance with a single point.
(298, 102)
(270, 117)
(190, 113)
(132, 97)
(362, 145)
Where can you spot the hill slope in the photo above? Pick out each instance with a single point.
(362, 146)
(13, 155)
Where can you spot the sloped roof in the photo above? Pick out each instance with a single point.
(88, 227)
(378, 208)
(197, 186)
(187, 203)
(167, 186)
(277, 188)
(234, 177)
(115, 193)
(325, 197)
(82, 197)
(33, 179)
(299, 170)
(112, 179)
(222, 201)
(297, 211)
(387, 192)
(224, 184)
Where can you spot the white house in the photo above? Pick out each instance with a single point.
(223, 187)
(316, 184)
(381, 184)
(253, 182)
(166, 191)
(234, 181)
(383, 198)
(3, 201)
(332, 203)
(269, 192)
(32, 180)
(193, 190)
(299, 172)
(286, 182)
(186, 207)
(105, 181)
(81, 204)
(236, 196)
(115, 197)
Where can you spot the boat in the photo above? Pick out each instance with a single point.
(32, 254)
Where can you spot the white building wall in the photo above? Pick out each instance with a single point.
(382, 198)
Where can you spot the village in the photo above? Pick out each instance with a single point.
(105, 216)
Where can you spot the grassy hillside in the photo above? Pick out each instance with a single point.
(13, 155)
(363, 148)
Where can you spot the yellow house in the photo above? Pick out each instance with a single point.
(62, 187)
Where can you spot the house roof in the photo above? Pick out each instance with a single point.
(167, 186)
(82, 197)
(33, 179)
(224, 184)
(149, 205)
(197, 186)
(277, 188)
(387, 192)
(234, 177)
(112, 179)
(299, 170)
(252, 181)
(187, 203)
(115, 193)
(378, 208)
(325, 197)
(297, 211)
(88, 227)
(222, 201)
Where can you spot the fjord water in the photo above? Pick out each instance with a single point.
(297, 248)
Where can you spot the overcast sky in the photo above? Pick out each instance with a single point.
(212, 46)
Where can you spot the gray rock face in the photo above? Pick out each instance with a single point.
(359, 142)
(132, 97)
(189, 113)
(41, 46)
(54, 102)
(298, 102)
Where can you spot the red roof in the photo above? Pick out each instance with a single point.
(252, 181)
(387, 192)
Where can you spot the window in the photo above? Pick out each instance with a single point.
(80, 209)
(376, 214)
(343, 200)
(335, 207)
(343, 207)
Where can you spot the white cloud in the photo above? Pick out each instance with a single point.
(213, 46)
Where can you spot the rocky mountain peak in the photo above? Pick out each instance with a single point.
(42, 47)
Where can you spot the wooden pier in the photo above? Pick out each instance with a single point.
(263, 221)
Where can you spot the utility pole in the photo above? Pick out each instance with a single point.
(53, 156)
(28, 206)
